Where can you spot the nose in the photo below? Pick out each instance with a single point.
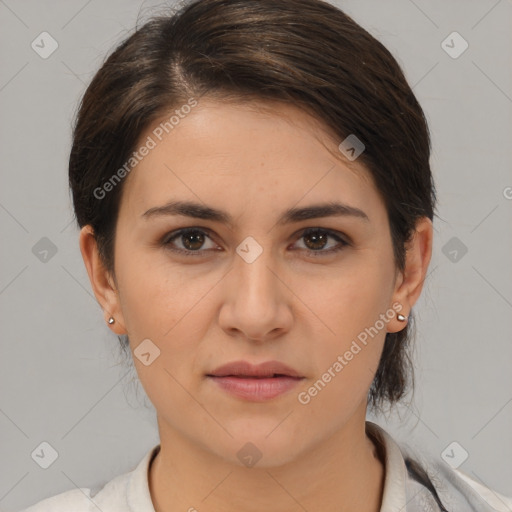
(256, 303)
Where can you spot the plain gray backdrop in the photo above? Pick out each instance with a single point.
(63, 380)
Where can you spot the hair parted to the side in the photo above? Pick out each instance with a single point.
(306, 53)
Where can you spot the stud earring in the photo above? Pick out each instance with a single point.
(111, 320)
(402, 318)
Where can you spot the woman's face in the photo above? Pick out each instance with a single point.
(255, 288)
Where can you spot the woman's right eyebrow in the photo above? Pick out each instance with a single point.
(201, 211)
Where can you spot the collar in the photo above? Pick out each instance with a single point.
(394, 497)
(139, 497)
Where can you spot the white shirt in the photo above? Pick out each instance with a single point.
(458, 492)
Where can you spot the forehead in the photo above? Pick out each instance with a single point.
(228, 150)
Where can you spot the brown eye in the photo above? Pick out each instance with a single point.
(316, 240)
(192, 241)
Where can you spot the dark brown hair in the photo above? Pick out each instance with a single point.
(306, 53)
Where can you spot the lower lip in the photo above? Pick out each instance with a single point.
(257, 390)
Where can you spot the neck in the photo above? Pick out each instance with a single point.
(344, 472)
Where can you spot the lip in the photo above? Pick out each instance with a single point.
(256, 383)
(256, 389)
(246, 369)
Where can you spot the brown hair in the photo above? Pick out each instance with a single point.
(307, 53)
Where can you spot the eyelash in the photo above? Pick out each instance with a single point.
(170, 237)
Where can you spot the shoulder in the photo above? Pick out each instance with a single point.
(111, 497)
(455, 489)
(474, 491)
(78, 500)
(417, 480)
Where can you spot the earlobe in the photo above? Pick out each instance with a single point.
(101, 281)
(410, 282)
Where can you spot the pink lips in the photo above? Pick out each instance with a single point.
(256, 382)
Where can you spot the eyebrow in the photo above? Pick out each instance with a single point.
(199, 211)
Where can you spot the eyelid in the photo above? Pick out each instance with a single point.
(330, 232)
(341, 238)
(173, 235)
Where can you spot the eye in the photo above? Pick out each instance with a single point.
(191, 240)
(316, 240)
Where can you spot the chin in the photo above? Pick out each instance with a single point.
(255, 448)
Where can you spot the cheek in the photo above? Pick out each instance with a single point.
(337, 394)
(350, 331)
(167, 305)
(346, 361)
(348, 300)
(154, 295)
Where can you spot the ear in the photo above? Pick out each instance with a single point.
(409, 283)
(101, 281)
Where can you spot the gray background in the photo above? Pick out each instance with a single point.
(62, 378)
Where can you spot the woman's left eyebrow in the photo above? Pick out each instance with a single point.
(201, 211)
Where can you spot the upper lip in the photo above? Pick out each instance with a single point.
(246, 369)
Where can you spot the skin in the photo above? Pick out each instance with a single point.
(304, 310)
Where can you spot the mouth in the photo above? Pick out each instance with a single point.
(255, 389)
(256, 383)
(246, 370)
(274, 376)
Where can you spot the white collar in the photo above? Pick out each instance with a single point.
(394, 493)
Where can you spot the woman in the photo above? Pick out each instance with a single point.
(252, 183)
